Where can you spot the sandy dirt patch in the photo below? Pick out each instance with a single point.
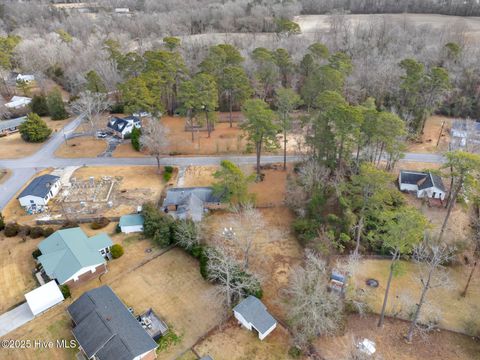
(455, 310)
(237, 343)
(441, 345)
(81, 147)
(433, 130)
(13, 146)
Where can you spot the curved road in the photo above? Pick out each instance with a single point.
(23, 169)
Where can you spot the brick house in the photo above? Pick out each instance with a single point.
(71, 258)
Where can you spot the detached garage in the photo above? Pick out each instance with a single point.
(44, 297)
(131, 223)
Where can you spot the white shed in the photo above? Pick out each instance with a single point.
(44, 297)
(131, 223)
(253, 314)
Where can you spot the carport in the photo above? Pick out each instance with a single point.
(15, 318)
(44, 297)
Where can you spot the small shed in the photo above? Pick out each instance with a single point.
(131, 223)
(44, 297)
(253, 314)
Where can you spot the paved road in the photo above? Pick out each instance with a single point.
(23, 169)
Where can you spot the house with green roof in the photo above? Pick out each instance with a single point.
(70, 257)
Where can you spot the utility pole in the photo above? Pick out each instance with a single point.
(440, 135)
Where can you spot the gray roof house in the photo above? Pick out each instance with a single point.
(121, 127)
(9, 126)
(106, 330)
(69, 256)
(252, 314)
(190, 203)
(39, 192)
(425, 184)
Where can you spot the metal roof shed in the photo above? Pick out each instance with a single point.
(44, 297)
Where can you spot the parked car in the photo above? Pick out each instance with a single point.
(101, 134)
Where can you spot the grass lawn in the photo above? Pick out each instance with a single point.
(455, 310)
(81, 147)
(233, 342)
(14, 147)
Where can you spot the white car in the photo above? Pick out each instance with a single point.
(101, 134)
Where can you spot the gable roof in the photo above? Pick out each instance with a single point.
(253, 310)
(131, 220)
(67, 251)
(12, 123)
(40, 186)
(118, 124)
(105, 328)
(423, 180)
(182, 196)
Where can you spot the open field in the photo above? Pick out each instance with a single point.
(13, 146)
(125, 149)
(390, 344)
(455, 310)
(431, 134)
(81, 147)
(233, 342)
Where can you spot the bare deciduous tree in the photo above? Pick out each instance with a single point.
(154, 138)
(312, 310)
(431, 257)
(187, 234)
(92, 105)
(223, 270)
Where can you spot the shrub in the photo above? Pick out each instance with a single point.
(39, 105)
(168, 169)
(11, 229)
(2, 222)
(36, 253)
(65, 291)
(295, 352)
(34, 129)
(24, 231)
(56, 107)
(117, 108)
(99, 223)
(167, 176)
(116, 250)
(48, 231)
(169, 339)
(36, 232)
(118, 229)
(69, 224)
(135, 138)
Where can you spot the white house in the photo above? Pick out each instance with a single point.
(122, 127)
(25, 78)
(425, 184)
(131, 223)
(11, 126)
(39, 192)
(252, 314)
(18, 102)
(44, 297)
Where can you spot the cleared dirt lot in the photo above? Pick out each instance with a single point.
(441, 345)
(455, 310)
(431, 134)
(81, 147)
(237, 343)
(13, 146)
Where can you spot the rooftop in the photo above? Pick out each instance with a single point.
(12, 123)
(131, 220)
(423, 180)
(40, 186)
(106, 328)
(67, 251)
(253, 310)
